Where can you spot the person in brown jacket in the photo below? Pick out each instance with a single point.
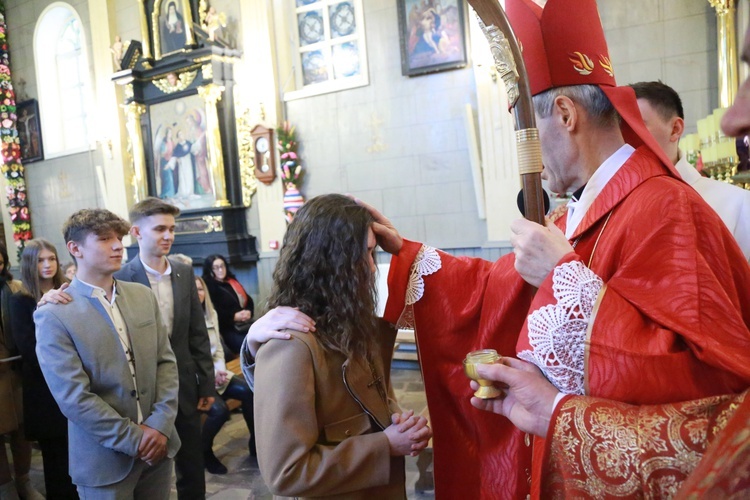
(326, 418)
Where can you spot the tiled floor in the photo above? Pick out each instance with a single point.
(243, 480)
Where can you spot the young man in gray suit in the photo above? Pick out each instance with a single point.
(173, 284)
(108, 363)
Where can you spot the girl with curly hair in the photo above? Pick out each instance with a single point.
(326, 418)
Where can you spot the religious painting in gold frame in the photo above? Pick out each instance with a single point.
(171, 26)
(182, 174)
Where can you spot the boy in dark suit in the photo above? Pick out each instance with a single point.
(173, 284)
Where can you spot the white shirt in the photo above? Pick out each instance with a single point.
(113, 311)
(577, 209)
(161, 285)
(732, 203)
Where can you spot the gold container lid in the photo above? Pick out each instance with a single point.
(483, 356)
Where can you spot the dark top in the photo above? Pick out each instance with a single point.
(189, 338)
(226, 303)
(41, 414)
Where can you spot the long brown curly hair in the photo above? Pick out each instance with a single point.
(324, 270)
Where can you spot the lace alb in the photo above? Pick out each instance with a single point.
(425, 263)
(557, 332)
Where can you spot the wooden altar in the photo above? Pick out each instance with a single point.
(182, 130)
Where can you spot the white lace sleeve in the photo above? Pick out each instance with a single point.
(557, 332)
(425, 263)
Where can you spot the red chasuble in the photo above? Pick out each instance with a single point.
(670, 322)
(599, 448)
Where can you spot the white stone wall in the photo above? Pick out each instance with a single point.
(57, 187)
(669, 40)
(421, 178)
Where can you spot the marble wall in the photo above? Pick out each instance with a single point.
(58, 188)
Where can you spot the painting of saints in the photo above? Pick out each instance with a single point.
(433, 33)
(172, 28)
(185, 167)
(178, 157)
(196, 125)
(164, 146)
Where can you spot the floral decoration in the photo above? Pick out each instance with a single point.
(291, 170)
(10, 147)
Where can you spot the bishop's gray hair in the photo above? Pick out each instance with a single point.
(590, 97)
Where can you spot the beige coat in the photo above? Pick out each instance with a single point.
(11, 409)
(319, 417)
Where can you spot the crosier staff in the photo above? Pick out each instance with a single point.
(510, 66)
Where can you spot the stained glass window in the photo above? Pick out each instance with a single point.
(330, 44)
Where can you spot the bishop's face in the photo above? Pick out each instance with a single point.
(557, 155)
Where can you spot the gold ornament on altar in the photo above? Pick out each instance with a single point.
(133, 112)
(173, 82)
(246, 157)
(482, 357)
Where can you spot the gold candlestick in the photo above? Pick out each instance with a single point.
(484, 357)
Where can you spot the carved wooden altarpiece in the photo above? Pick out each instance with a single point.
(180, 116)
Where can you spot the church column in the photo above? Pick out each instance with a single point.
(727, 50)
(211, 94)
(257, 91)
(107, 122)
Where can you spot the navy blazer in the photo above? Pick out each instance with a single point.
(189, 337)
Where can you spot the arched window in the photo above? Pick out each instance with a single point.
(63, 80)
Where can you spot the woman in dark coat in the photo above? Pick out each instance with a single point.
(233, 304)
(43, 420)
(11, 411)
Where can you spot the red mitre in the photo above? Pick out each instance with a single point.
(563, 44)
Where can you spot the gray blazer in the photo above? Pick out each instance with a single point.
(189, 337)
(87, 372)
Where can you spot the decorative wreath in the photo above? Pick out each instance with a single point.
(291, 170)
(10, 147)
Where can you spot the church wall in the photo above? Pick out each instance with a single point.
(422, 180)
(56, 187)
(669, 40)
(399, 143)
